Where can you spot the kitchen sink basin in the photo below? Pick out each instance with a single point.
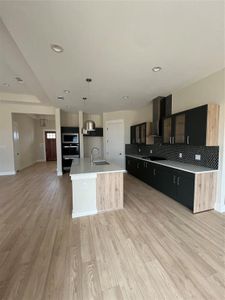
(100, 162)
(153, 158)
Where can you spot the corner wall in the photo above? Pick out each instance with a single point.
(6, 138)
(207, 90)
(27, 140)
(130, 117)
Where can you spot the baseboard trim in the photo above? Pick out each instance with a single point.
(40, 160)
(220, 208)
(59, 173)
(83, 214)
(7, 173)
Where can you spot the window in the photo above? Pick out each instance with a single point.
(51, 135)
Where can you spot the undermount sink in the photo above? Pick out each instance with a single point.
(100, 162)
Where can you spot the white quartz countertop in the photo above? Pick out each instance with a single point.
(177, 165)
(83, 166)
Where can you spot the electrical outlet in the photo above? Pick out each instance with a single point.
(180, 155)
(151, 151)
(139, 150)
(197, 156)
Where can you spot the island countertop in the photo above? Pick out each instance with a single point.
(81, 166)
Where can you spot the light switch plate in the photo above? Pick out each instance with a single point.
(180, 155)
(151, 151)
(197, 157)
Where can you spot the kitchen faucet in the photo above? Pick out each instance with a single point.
(92, 150)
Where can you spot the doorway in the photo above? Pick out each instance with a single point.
(114, 143)
(50, 145)
(16, 145)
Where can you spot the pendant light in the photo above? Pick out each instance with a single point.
(89, 125)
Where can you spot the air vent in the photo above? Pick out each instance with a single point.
(60, 98)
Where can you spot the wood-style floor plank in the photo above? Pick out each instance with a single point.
(154, 248)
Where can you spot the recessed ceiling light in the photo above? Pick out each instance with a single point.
(60, 98)
(66, 91)
(125, 97)
(156, 69)
(5, 84)
(19, 79)
(57, 48)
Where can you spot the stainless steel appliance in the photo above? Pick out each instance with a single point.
(68, 138)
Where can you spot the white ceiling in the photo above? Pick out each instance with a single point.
(116, 44)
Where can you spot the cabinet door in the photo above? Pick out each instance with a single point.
(143, 133)
(131, 165)
(148, 178)
(185, 189)
(137, 134)
(167, 183)
(133, 134)
(196, 126)
(128, 165)
(179, 129)
(167, 130)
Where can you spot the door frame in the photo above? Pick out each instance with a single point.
(123, 135)
(44, 144)
(16, 162)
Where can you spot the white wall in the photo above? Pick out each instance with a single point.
(69, 119)
(27, 140)
(6, 138)
(130, 117)
(207, 90)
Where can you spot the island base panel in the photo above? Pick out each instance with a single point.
(109, 191)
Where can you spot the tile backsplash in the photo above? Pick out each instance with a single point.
(209, 156)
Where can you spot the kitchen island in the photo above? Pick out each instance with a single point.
(95, 188)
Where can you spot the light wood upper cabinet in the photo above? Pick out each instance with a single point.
(167, 130)
(179, 123)
(212, 132)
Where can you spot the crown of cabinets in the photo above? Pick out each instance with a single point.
(196, 127)
(141, 133)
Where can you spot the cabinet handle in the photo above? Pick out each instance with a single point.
(170, 140)
(174, 179)
(188, 140)
(178, 180)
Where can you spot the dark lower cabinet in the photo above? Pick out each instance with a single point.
(178, 185)
(185, 188)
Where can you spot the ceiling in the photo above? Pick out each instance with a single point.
(115, 43)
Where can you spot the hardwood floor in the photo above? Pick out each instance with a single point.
(152, 249)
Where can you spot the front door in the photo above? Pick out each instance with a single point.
(50, 145)
(115, 145)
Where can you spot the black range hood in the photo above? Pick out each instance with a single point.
(162, 108)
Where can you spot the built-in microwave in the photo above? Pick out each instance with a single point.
(70, 138)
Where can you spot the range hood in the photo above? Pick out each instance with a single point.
(89, 125)
(162, 107)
